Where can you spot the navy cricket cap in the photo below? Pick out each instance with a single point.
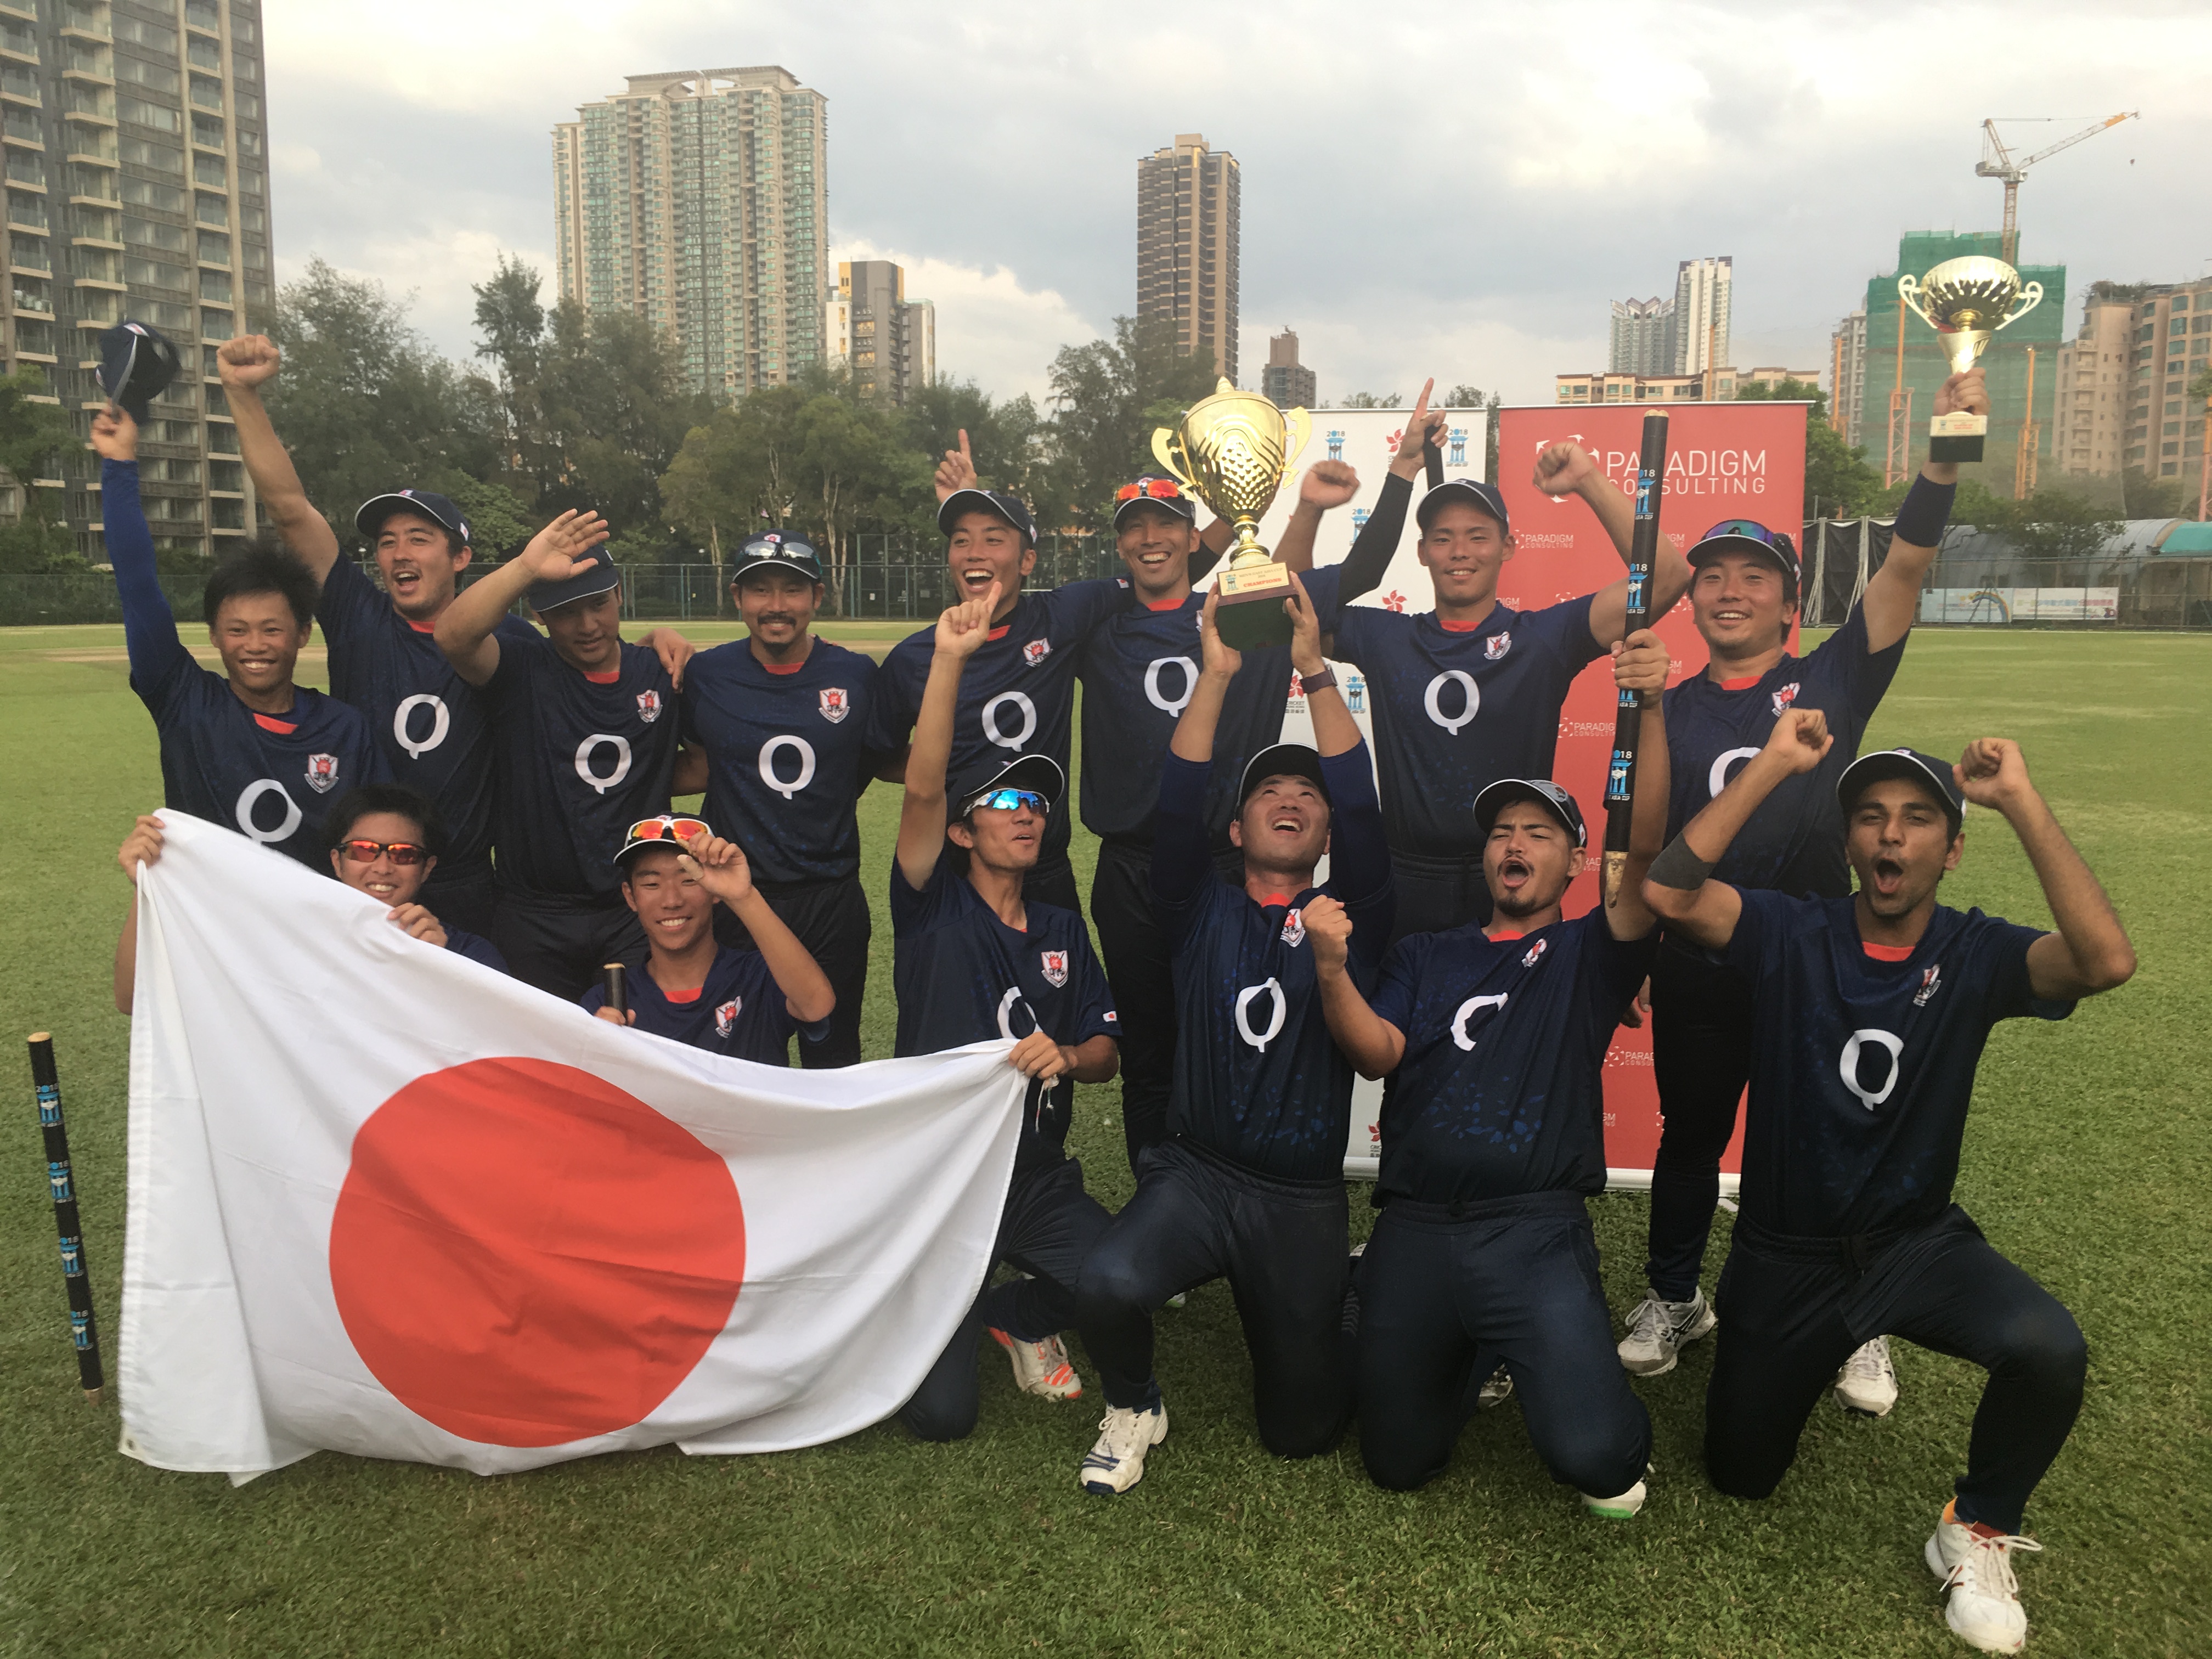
(136, 367)
(596, 575)
(1473, 490)
(779, 550)
(1040, 774)
(1748, 536)
(1870, 769)
(370, 517)
(1496, 797)
(998, 503)
(1149, 491)
(1293, 760)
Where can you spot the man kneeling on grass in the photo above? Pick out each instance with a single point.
(744, 1004)
(385, 839)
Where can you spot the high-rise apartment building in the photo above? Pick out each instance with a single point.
(1702, 289)
(699, 199)
(137, 184)
(1187, 247)
(885, 341)
(1642, 337)
(1286, 382)
(2169, 345)
(2089, 413)
(1847, 376)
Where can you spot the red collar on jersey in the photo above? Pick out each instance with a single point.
(420, 627)
(691, 996)
(1166, 604)
(604, 677)
(270, 723)
(1743, 684)
(1000, 632)
(1459, 627)
(1886, 952)
(1504, 939)
(783, 667)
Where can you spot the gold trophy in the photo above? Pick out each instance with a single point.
(1966, 300)
(1233, 451)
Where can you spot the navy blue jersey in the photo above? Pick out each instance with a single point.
(1258, 1078)
(1794, 842)
(1016, 692)
(1861, 1070)
(963, 976)
(475, 947)
(429, 722)
(1456, 710)
(271, 777)
(579, 761)
(788, 755)
(1501, 1089)
(739, 1012)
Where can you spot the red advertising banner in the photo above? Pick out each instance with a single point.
(1726, 461)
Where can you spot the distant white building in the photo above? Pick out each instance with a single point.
(1702, 290)
(887, 342)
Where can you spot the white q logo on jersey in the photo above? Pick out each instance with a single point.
(1260, 1040)
(991, 720)
(589, 747)
(442, 721)
(1895, 1045)
(806, 764)
(1006, 1012)
(1717, 779)
(250, 797)
(1152, 683)
(1467, 1011)
(1433, 701)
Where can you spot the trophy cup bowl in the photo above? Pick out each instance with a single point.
(1232, 451)
(1967, 301)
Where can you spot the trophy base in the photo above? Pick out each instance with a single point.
(1957, 437)
(1250, 613)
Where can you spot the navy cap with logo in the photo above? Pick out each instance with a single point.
(1485, 496)
(1910, 763)
(782, 549)
(1039, 774)
(370, 516)
(136, 367)
(997, 503)
(1496, 797)
(1148, 491)
(595, 574)
(1281, 760)
(1748, 536)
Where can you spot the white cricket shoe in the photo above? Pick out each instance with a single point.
(1117, 1463)
(1975, 1565)
(1623, 1507)
(1867, 1383)
(1041, 1368)
(1657, 1330)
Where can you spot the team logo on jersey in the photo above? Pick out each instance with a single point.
(836, 705)
(1784, 698)
(1931, 982)
(1497, 646)
(1055, 967)
(726, 1017)
(1536, 953)
(649, 706)
(1294, 930)
(322, 773)
(1035, 652)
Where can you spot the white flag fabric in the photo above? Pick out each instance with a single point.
(384, 1201)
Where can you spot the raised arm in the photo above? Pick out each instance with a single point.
(720, 866)
(1370, 1043)
(246, 363)
(1679, 888)
(149, 627)
(2089, 952)
(1323, 486)
(960, 631)
(466, 627)
(1640, 664)
(1892, 593)
(1566, 469)
(142, 846)
(1335, 732)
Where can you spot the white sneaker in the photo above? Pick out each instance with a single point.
(1497, 1389)
(1041, 1368)
(1117, 1463)
(1976, 1568)
(1657, 1330)
(1867, 1383)
(1623, 1507)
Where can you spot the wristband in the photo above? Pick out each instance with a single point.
(1322, 679)
(1679, 867)
(1924, 512)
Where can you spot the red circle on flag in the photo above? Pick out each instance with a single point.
(525, 1255)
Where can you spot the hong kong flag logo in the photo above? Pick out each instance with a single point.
(649, 706)
(835, 704)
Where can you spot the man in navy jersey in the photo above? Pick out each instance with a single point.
(247, 748)
(1249, 1186)
(782, 716)
(1870, 1015)
(976, 960)
(586, 742)
(742, 1003)
(1494, 1039)
(1745, 598)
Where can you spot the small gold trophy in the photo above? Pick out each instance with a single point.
(1966, 300)
(1233, 451)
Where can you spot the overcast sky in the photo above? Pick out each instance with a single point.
(1459, 195)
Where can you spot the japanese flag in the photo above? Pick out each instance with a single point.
(384, 1201)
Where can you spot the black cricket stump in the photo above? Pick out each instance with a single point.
(1628, 715)
(615, 985)
(84, 1331)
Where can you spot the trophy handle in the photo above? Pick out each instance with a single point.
(1908, 289)
(1297, 427)
(2030, 297)
(1167, 445)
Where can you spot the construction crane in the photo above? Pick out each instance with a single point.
(1997, 163)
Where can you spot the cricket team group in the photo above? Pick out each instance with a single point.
(506, 791)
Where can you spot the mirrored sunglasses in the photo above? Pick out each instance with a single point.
(1008, 800)
(399, 852)
(668, 829)
(1157, 490)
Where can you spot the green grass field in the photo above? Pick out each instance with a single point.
(2087, 1161)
